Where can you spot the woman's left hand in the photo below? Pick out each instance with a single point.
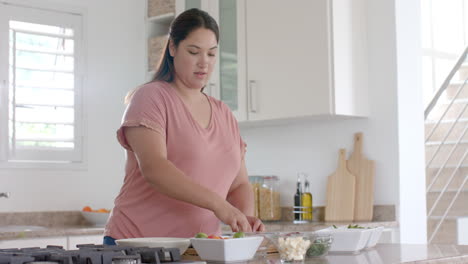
(256, 224)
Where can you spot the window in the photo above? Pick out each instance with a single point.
(41, 70)
(444, 37)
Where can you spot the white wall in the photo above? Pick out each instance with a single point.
(412, 207)
(115, 53)
(393, 134)
(114, 32)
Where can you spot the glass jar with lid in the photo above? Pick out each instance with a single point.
(269, 199)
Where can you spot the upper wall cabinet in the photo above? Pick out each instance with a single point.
(280, 59)
(306, 58)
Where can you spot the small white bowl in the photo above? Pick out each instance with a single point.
(374, 237)
(347, 240)
(167, 242)
(96, 219)
(231, 249)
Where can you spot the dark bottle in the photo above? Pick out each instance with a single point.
(297, 201)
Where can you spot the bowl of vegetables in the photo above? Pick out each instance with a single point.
(237, 247)
(320, 245)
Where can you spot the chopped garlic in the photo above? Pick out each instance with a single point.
(293, 248)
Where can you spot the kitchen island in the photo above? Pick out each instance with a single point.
(382, 254)
(74, 232)
(402, 253)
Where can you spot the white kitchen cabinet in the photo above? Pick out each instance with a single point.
(34, 242)
(87, 239)
(306, 58)
(282, 60)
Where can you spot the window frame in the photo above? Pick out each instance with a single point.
(66, 16)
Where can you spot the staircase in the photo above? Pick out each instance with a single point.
(446, 131)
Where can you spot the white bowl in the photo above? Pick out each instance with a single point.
(347, 240)
(96, 219)
(231, 249)
(374, 237)
(167, 242)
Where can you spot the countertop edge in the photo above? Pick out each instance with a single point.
(52, 232)
(91, 230)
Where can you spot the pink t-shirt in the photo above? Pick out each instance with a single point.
(209, 156)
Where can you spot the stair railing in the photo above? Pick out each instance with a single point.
(432, 104)
(452, 202)
(444, 165)
(446, 83)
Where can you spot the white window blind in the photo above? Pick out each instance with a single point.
(41, 113)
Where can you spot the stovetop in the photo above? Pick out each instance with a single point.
(92, 254)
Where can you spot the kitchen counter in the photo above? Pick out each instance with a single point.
(387, 254)
(312, 226)
(381, 254)
(53, 232)
(72, 223)
(90, 230)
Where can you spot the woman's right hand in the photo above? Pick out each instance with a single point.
(233, 217)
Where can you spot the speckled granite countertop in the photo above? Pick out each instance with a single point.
(90, 230)
(72, 223)
(312, 226)
(53, 232)
(388, 254)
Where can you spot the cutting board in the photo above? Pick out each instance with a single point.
(340, 192)
(364, 170)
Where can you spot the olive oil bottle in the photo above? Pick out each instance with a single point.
(298, 200)
(306, 201)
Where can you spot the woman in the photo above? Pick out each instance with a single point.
(185, 169)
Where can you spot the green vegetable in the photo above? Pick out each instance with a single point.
(334, 226)
(318, 248)
(239, 234)
(356, 226)
(201, 235)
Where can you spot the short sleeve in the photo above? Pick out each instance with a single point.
(146, 108)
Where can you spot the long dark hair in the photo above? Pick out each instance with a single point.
(188, 21)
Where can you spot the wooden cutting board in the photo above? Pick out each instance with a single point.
(340, 192)
(364, 170)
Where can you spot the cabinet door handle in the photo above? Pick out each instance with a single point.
(252, 96)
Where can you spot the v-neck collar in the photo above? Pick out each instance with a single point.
(210, 123)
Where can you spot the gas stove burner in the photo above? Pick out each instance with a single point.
(54, 247)
(130, 259)
(15, 259)
(92, 254)
(41, 262)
